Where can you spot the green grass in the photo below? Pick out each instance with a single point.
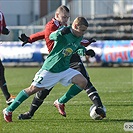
(113, 84)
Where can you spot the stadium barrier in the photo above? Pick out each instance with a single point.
(107, 52)
(113, 52)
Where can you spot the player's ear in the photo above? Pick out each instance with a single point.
(56, 15)
(75, 26)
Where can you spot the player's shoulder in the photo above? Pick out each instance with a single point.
(54, 22)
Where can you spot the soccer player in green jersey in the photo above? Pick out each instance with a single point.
(60, 18)
(56, 67)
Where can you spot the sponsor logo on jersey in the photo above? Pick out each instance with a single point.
(67, 51)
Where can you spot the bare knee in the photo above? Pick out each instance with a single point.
(80, 80)
(32, 90)
(82, 83)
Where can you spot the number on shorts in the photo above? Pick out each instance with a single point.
(38, 79)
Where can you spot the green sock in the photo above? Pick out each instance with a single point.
(73, 91)
(18, 100)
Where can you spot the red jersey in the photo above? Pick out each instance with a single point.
(50, 27)
(2, 22)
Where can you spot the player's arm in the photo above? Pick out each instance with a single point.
(4, 31)
(58, 33)
(49, 28)
(37, 36)
(32, 38)
(52, 27)
(87, 42)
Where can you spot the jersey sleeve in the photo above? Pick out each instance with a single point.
(81, 51)
(85, 42)
(51, 27)
(37, 36)
(55, 35)
(2, 22)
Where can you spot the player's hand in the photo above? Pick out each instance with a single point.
(91, 40)
(24, 39)
(5, 31)
(90, 52)
(65, 30)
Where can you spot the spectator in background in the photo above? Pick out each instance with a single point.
(3, 30)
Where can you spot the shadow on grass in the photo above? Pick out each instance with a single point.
(87, 120)
(119, 120)
(129, 104)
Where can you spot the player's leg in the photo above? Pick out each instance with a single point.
(95, 98)
(3, 85)
(79, 83)
(36, 103)
(75, 89)
(60, 103)
(91, 91)
(22, 96)
(41, 81)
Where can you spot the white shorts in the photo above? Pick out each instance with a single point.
(46, 79)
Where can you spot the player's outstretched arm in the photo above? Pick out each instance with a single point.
(87, 42)
(32, 38)
(24, 39)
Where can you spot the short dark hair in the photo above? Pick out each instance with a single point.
(62, 8)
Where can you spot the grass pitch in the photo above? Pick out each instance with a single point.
(115, 87)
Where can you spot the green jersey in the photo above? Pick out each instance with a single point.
(64, 46)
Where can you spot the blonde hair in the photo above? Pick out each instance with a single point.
(81, 21)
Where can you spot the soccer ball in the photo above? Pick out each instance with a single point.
(93, 113)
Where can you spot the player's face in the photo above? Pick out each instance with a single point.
(63, 17)
(79, 30)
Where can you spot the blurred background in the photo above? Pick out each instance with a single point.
(110, 23)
